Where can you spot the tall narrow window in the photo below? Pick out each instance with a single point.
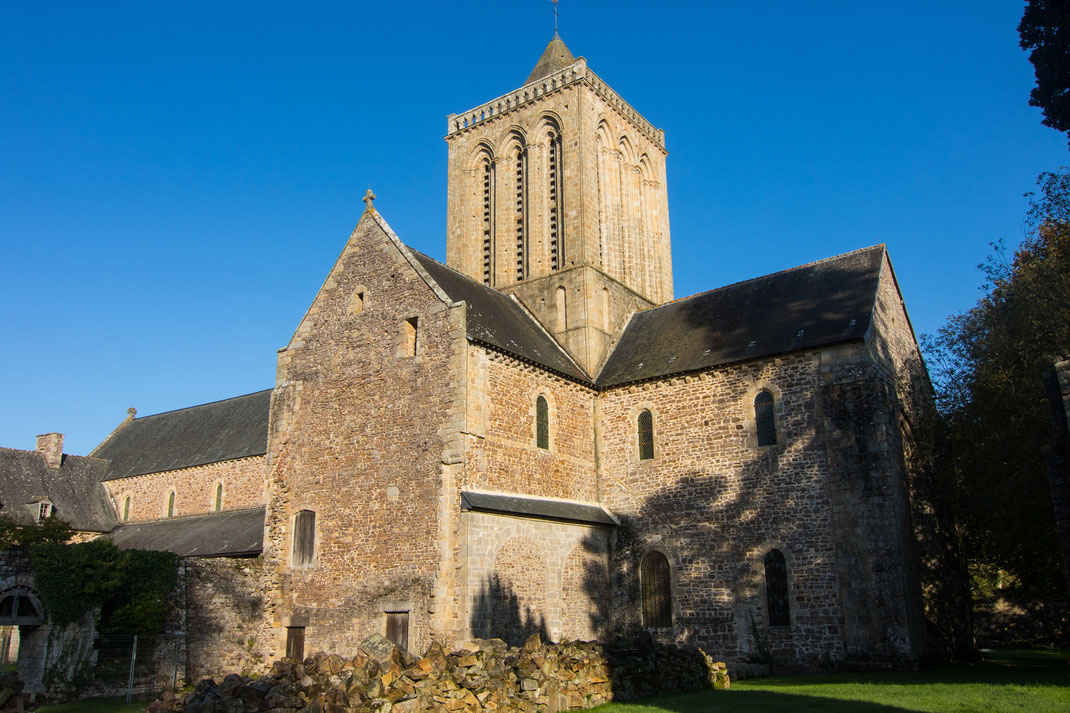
(562, 313)
(765, 422)
(542, 423)
(646, 435)
(776, 588)
(304, 538)
(605, 308)
(409, 336)
(488, 222)
(219, 496)
(295, 643)
(397, 628)
(521, 252)
(657, 591)
(171, 504)
(44, 510)
(126, 508)
(555, 200)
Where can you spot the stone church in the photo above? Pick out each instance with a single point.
(537, 437)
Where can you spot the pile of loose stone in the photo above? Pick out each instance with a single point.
(485, 675)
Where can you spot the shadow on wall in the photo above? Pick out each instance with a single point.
(498, 614)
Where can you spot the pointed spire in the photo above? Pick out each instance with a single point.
(556, 56)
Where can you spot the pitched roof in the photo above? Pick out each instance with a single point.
(496, 319)
(74, 489)
(236, 532)
(556, 56)
(813, 305)
(209, 433)
(526, 505)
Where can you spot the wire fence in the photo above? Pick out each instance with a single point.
(110, 665)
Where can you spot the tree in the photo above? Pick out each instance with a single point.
(989, 365)
(1045, 32)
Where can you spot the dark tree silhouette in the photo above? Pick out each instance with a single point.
(1045, 32)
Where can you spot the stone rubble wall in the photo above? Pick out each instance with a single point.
(482, 675)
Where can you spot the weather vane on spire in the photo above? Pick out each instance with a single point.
(555, 15)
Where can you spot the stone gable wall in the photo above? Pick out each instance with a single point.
(363, 434)
(194, 488)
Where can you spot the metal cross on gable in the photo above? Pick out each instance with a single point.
(555, 15)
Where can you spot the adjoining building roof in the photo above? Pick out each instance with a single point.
(198, 435)
(556, 56)
(496, 319)
(74, 489)
(813, 305)
(528, 506)
(232, 533)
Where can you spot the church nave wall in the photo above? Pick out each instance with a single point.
(196, 490)
(715, 503)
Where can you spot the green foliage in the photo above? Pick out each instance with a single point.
(131, 588)
(1045, 32)
(72, 579)
(51, 529)
(989, 366)
(142, 604)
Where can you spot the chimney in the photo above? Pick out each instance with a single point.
(51, 445)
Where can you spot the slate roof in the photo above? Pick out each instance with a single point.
(813, 305)
(74, 489)
(209, 433)
(556, 56)
(505, 503)
(231, 533)
(496, 319)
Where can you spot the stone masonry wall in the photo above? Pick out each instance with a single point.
(714, 503)
(364, 434)
(529, 576)
(194, 488)
(224, 621)
(501, 453)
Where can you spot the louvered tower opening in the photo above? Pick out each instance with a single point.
(520, 214)
(488, 221)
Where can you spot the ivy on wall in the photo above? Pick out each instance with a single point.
(130, 588)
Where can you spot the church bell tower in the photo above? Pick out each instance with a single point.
(557, 195)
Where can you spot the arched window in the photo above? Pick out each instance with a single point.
(645, 424)
(776, 588)
(171, 504)
(126, 508)
(219, 496)
(562, 309)
(657, 591)
(304, 538)
(765, 423)
(542, 423)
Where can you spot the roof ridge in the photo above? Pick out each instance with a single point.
(767, 275)
(206, 403)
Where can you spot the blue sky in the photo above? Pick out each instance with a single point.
(177, 179)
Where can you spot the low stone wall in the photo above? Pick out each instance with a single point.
(485, 675)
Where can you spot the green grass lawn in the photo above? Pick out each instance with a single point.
(1031, 681)
(1028, 681)
(101, 705)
